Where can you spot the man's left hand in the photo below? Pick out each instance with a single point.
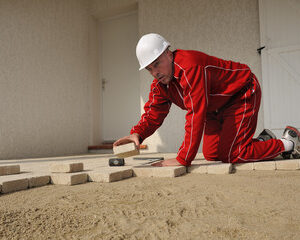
(166, 163)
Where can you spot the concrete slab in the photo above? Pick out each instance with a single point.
(110, 174)
(66, 167)
(264, 165)
(38, 181)
(68, 178)
(126, 150)
(9, 169)
(244, 166)
(149, 171)
(12, 185)
(288, 164)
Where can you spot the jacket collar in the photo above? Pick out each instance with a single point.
(177, 70)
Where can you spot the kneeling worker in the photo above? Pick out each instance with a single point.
(222, 99)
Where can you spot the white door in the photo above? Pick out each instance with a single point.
(120, 75)
(280, 34)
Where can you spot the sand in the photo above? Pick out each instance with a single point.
(244, 205)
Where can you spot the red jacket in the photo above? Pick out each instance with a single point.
(201, 84)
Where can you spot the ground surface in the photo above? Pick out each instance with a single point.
(244, 205)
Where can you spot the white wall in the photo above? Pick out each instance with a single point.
(228, 29)
(44, 78)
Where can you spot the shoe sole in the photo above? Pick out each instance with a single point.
(296, 151)
(294, 129)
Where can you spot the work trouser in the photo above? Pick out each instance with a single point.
(228, 133)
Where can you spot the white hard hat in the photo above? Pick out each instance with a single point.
(150, 47)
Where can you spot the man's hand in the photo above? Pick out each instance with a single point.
(128, 139)
(166, 163)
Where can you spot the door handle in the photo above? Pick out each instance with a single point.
(104, 81)
(259, 49)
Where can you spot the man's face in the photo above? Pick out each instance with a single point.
(162, 67)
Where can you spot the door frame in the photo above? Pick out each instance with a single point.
(264, 64)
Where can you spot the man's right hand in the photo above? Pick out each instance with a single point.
(128, 139)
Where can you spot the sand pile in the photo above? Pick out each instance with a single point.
(246, 205)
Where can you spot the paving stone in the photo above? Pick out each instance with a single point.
(127, 173)
(12, 185)
(68, 178)
(126, 150)
(287, 164)
(220, 168)
(264, 165)
(9, 169)
(66, 167)
(150, 171)
(244, 166)
(38, 181)
(109, 175)
(200, 166)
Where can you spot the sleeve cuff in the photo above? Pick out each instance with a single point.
(140, 138)
(182, 162)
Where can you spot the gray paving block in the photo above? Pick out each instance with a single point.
(9, 169)
(69, 178)
(220, 168)
(38, 181)
(244, 166)
(126, 150)
(264, 165)
(12, 185)
(287, 164)
(150, 171)
(66, 167)
(109, 175)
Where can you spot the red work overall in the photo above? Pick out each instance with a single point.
(222, 99)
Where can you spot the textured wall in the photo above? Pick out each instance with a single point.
(103, 9)
(224, 28)
(44, 103)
